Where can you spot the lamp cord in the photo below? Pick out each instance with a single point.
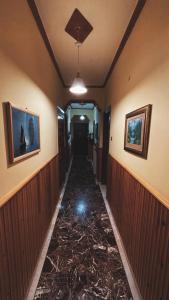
(78, 55)
(78, 44)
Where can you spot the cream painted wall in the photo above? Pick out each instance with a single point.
(29, 80)
(141, 77)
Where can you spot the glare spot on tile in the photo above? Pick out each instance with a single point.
(81, 207)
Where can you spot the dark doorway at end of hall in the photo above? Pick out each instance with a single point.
(80, 136)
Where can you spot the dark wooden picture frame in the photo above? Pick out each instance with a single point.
(23, 132)
(137, 128)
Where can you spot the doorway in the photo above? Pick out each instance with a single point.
(63, 150)
(80, 138)
(106, 138)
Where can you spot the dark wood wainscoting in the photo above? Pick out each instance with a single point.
(24, 221)
(143, 223)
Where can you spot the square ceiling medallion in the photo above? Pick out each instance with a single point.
(78, 27)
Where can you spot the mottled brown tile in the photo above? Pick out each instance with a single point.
(83, 261)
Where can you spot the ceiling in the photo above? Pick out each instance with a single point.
(109, 19)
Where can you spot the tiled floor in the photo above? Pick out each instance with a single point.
(83, 261)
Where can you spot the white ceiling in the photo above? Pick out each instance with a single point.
(109, 19)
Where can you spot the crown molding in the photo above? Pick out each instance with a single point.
(125, 38)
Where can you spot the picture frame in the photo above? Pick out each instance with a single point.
(137, 128)
(23, 133)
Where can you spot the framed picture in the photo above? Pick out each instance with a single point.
(23, 133)
(137, 127)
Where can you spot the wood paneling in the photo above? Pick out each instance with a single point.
(24, 221)
(143, 223)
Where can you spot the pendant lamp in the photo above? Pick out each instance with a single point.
(78, 87)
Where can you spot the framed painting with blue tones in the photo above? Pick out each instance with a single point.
(23, 132)
(137, 128)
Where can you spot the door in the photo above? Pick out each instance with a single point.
(80, 138)
(61, 146)
(106, 137)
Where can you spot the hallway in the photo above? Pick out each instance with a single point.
(83, 261)
(84, 78)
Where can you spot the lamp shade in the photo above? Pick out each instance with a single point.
(78, 86)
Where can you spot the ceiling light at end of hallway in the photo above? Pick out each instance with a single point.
(82, 118)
